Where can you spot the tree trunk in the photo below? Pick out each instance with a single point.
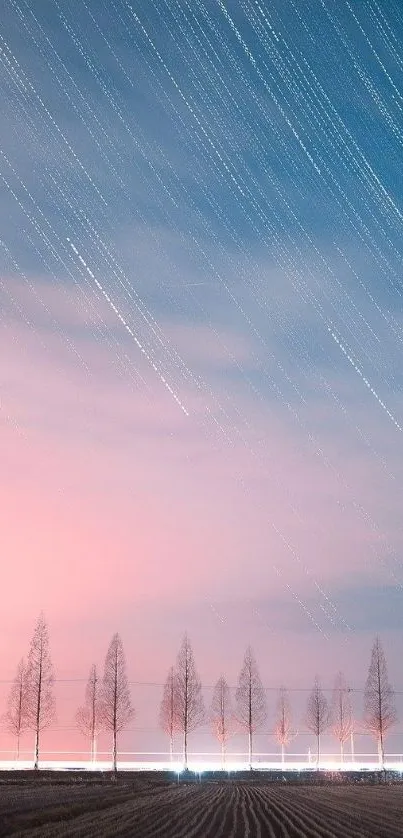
(36, 762)
(223, 755)
(18, 746)
(114, 753)
(185, 748)
(318, 751)
(341, 752)
(171, 747)
(282, 754)
(352, 746)
(381, 753)
(250, 749)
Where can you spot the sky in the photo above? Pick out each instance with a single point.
(200, 342)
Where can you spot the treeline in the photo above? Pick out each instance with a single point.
(107, 704)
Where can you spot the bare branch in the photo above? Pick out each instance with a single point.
(15, 718)
(40, 702)
(221, 715)
(189, 705)
(89, 715)
(168, 710)
(341, 713)
(318, 716)
(379, 707)
(283, 724)
(116, 708)
(250, 698)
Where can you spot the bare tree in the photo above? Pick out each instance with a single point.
(250, 699)
(15, 717)
(89, 715)
(189, 706)
(283, 727)
(317, 715)
(167, 717)
(40, 701)
(221, 715)
(116, 706)
(379, 708)
(341, 712)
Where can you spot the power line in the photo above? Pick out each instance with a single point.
(205, 686)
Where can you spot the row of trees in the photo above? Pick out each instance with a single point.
(182, 708)
(107, 702)
(31, 702)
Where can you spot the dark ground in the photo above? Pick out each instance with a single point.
(155, 805)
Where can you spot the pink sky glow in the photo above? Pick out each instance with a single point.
(121, 513)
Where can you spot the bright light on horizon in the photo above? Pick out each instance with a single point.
(199, 767)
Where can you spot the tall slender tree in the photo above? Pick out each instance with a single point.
(189, 705)
(283, 724)
(168, 709)
(89, 716)
(40, 701)
(341, 712)
(221, 715)
(15, 719)
(116, 705)
(250, 697)
(379, 707)
(318, 716)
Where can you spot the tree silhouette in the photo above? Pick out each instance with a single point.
(317, 715)
(189, 705)
(40, 702)
(221, 715)
(379, 709)
(116, 707)
(15, 719)
(341, 712)
(282, 728)
(89, 715)
(168, 709)
(250, 699)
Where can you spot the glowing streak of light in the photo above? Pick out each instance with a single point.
(365, 380)
(128, 329)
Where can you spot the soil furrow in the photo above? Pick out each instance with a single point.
(381, 799)
(160, 819)
(244, 813)
(356, 817)
(293, 820)
(310, 812)
(224, 828)
(196, 827)
(177, 817)
(255, 813)
(271, 824)
(235, 819)
(281, 827)
(172, 811)
(88, 824)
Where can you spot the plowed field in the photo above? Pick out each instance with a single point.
(209, 810)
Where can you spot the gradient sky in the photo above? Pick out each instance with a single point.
(201, 338)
